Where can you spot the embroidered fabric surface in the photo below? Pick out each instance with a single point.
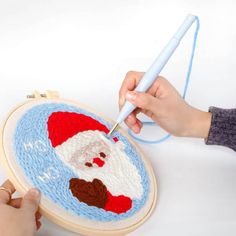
(63, 151)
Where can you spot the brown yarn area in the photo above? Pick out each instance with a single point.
(92, 193)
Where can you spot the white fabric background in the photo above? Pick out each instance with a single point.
(84, 48)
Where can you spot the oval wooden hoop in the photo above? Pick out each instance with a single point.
(22, 188)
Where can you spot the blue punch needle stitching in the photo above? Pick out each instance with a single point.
(46, 171)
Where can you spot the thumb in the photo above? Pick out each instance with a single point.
(142, 100)
(31, 201)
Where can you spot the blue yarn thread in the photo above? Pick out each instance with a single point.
(183, 95)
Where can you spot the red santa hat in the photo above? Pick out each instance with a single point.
(64, 125)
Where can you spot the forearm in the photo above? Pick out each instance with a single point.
(198, 123)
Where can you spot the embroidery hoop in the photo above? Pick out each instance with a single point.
(53, 211)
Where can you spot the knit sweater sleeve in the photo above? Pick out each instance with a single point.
(223, 128)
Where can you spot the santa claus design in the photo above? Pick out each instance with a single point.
(107, 178)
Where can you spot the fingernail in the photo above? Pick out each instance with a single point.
(130, 96)
(34, 192)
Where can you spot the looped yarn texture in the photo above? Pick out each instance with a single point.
(59, 166)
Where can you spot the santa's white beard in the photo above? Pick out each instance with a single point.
(118, 174)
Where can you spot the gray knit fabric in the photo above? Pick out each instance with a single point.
(223, 128)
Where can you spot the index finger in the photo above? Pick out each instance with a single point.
(130, 82)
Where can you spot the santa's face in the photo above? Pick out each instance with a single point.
(93, 155)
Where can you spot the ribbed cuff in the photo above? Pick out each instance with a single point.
(223, 128)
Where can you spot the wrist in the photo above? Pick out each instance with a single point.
(199, 124)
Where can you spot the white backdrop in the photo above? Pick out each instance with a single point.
(84, 48)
